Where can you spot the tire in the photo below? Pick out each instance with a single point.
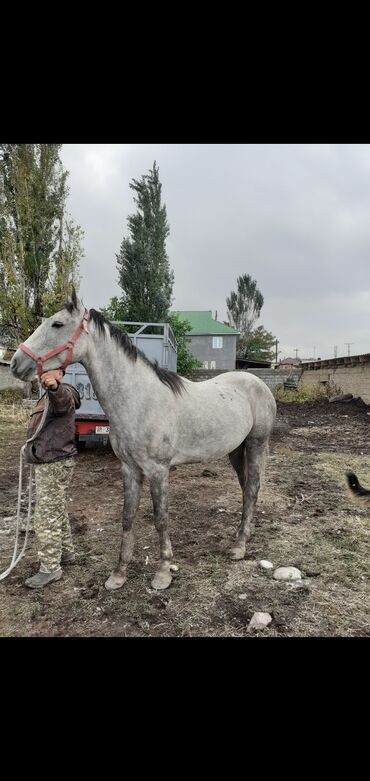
(342, 397)
(80, 444)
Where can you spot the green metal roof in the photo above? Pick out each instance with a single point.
(203, 323)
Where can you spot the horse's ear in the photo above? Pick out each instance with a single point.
(74, 298)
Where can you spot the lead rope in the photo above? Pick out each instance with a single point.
(17, 556)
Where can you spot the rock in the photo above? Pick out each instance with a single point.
(266, 564)
(209, 473)
(287, 573)
(304, 584)
(242, 596)
(260, 621)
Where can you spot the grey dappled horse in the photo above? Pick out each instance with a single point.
(157, 419)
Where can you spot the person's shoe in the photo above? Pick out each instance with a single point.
(69, 557)
(42, 579)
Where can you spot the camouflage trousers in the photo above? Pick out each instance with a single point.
(51, 523)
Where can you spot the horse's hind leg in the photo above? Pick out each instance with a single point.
(247, 461)
(159, 492)
(132, 485)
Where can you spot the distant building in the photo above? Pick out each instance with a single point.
(212, 342)
(290, 362)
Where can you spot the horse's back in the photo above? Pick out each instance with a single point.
(240, 381)
(235, 393)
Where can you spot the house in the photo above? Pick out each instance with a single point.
(212, 342)
(290, 362)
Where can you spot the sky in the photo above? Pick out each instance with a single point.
(296, 217)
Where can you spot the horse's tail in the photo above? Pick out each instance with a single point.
(357, 492)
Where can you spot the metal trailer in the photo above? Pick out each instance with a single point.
(92, 424)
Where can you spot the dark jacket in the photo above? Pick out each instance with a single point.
(56, 438)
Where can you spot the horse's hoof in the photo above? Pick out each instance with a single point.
(237, 553)
(162, 580)
(115, 581)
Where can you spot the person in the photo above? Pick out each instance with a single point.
(51, 448)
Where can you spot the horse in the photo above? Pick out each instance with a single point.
(157, 420)
(357, 492)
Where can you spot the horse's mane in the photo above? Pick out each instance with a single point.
(171, 379)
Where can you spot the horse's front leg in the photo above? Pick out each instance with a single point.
(132, 485)
(159, 491)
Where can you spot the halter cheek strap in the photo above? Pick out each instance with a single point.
(40, 359)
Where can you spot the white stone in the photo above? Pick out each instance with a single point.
(242, 596)
(266, 564)
(260, 621)
(287, 573)
(301, 584)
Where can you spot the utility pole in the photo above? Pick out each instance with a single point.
(349, 345)
(276, 348)
(296, 351)
(335, 351)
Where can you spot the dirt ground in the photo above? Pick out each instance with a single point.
(304, 518)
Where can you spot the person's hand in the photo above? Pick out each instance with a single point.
(48, 381)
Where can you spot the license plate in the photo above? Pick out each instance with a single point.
(102, 429)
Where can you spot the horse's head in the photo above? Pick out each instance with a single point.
(66, 329)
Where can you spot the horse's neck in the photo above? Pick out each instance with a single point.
(114, 376)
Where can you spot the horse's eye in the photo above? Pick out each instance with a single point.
(57, 324)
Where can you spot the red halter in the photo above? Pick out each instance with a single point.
(40, 359)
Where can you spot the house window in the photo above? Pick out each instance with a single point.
(213, 364)
(217, 342)
(205, 364)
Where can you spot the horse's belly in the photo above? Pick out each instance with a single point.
(205, 440)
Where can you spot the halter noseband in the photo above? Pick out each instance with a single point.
(40, 359)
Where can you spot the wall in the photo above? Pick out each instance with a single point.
(201, 347)
(275, 377)
(198, 375)
(349, 379)
(8, 381)
(272, 377)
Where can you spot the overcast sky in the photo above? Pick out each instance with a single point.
(295, 217)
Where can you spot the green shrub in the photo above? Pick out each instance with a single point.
(305, 392)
